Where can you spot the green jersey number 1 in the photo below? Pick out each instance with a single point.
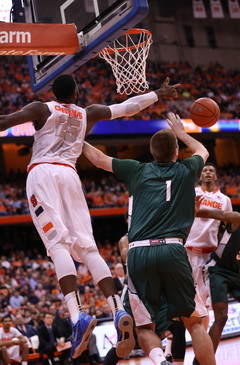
(168, 190)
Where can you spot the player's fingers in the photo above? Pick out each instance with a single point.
(166, 81)
(170, 115)
(177, 85)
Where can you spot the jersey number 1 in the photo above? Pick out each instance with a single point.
(168, 190)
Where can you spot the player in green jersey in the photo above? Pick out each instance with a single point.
(162, 328)
(161, 212)
(224, 271)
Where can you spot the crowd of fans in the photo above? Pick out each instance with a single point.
(102, 192)
(28, 285)
(212, 81)
(29, 289)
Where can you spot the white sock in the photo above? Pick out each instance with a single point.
(24, 363)
(178, 362)
(156, 355)
(74, 305)
(115, 304)
(168, 347)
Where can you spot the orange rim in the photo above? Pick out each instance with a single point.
(130, 31)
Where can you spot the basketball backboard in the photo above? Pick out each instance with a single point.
(98, 23)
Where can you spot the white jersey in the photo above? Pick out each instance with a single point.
(14, 350)
(204, 231)
(60, 140)
(9, 336)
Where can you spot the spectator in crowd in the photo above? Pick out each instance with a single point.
(25, 329)
(40, 291)
(16, 299)
(106, 311)
(32, 297)
(34, 279)
(119, 277)
(49, 336)
(34, 318)
(13, 344)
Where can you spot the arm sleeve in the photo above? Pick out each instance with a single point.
(195, 164)
(133, 105)
(127, 170)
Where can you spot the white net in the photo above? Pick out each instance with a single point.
(127, 56)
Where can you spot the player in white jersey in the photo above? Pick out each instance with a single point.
(57, 203)
(203, 237)
(12, 343)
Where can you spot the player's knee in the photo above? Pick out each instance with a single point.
(221, 319)
(23, 346)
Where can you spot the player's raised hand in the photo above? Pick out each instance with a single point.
(167, 91)
(198, 201)
(176, 124)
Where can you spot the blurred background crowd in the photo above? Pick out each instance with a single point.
(102, 192)
(213, 81)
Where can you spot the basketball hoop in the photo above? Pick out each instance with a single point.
(127, 56)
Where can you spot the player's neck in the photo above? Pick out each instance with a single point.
(208, 187)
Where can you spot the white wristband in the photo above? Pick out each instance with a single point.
(133, 105)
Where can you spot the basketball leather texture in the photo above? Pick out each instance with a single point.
(204, 112)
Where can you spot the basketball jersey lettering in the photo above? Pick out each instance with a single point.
(68, 128)
(212, 204)
(71, 112)
(168, 190)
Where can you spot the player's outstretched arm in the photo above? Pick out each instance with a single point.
(130, 106)
(36, 112)
(227, 217)
(97, 157)
(195, 146)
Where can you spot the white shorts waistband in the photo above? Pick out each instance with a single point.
(156, 242)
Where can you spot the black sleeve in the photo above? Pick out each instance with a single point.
(111, 357)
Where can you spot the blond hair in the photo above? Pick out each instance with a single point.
(163, 145)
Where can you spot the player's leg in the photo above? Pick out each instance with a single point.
(178, 348)
(201, 341)
(63, 222)
(5, 357)
(220, 315)
(168, 348)
(122, 320)
(148, 340)
(151, 344)
(84, 249)
(49, 191)
(220, 283)
(24, 353)
(82, 324)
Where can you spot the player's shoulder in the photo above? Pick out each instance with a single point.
(199, 190)
(219, 192)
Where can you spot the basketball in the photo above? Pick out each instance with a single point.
(204, 112)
